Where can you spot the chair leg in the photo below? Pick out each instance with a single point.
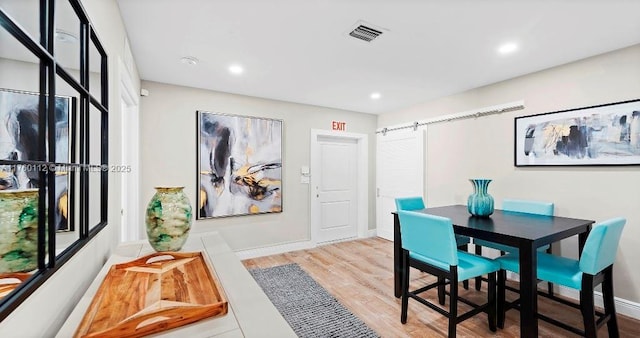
(465, 283)
(405, 287)
(441, 282)
(587, 306)
(491, 300)
(453, 307)
(502, 279)
(549, 284)
(609, 303)
(479, 278)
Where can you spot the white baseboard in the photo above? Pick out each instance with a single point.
(274, 250)
(623, 306)
(388, 235)
(371, 233)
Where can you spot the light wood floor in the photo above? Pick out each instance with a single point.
(360, 275)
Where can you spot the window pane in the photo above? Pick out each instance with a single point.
(95, 135)
(95, 189)
(67, 209)
(95, 71)
(67, 38)
(66, 111)
(95, 151)
(22, 12)
(19, 111)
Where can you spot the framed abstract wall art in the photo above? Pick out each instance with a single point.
(239, 165)
(607, 134)
(19, 140)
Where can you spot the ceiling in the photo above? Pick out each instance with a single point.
(300, 51)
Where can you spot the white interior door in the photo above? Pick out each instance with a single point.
(334, 189)
(399, 172)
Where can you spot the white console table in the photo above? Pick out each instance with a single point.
(251, 314)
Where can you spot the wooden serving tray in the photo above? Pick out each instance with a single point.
(154, 293)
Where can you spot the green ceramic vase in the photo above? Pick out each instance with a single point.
(168, 219)
(18, 230)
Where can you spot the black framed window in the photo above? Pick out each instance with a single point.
(53, 141)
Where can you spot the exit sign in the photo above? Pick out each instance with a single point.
(337, 125)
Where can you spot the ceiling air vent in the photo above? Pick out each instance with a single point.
(365, 31)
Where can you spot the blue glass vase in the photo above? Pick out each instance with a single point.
(480, 203)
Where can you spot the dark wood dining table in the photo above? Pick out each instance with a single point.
(527, 232)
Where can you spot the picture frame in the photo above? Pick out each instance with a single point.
(239, 165)
(18, 142)
(602, 135)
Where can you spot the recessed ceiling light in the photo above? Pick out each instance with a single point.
(508, 48)
(66, 37)
(375, 96)
(236, 69)
(189, 60)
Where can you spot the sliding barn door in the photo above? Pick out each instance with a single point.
(400, 173)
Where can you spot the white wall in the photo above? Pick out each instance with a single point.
(42, 314)
(483, 147)
(168, 156)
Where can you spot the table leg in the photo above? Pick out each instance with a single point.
(528, 290)
(582, 239)
(397, 257)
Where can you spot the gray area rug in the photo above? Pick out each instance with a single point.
(308, 308)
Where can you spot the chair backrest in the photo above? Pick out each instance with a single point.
(601, 246)
(530, 207)
(409, 203)
(429, 235)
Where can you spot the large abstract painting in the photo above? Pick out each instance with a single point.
(607, 134)
(19, 139)
(239, 165)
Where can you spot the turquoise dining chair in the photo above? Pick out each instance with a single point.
(594, 267)
(429, 244)
(525, 206)
(417, 203)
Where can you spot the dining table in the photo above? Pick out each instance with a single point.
(525, 231)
